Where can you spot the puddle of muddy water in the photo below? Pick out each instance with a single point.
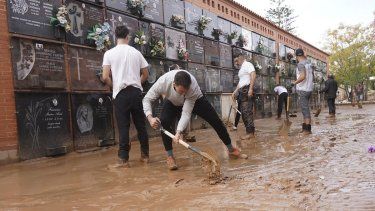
(326, 170)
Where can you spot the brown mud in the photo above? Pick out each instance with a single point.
(330, 170)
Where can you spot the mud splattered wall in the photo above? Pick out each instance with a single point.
(50, 72)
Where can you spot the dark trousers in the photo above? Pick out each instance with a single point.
(282, 101)
(238, 115)
(129, 101)
(202, 108)
(247, 105)
(331, 105)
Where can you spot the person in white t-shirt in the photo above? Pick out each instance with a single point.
(128, 68)
(245, 88)
(304, 86)
(282, 93)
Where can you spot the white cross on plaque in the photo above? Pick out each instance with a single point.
(78, 66)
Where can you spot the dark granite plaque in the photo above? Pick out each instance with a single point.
(92, 119)
(213, 80)
(85, 64)
(234, 28)
(247, 37)
(199, 72)
(211, 26)
(32, 17)
(173, 7)
(211, 52)
(42, 123)
(38, 64)
(271, 66)
(157, 107)
(117, 19)
(173, 39)
(274, 104)
(226, 80)
(267, 106)
(195, 48)
(82, 18)
(258, 85)
(192, 16)
(215, 101)
(259, 107)
(225, 55)
(117, 5)
(236, 79)
(154, 31)
(256, 42)
(155, 69)
(266, 84)
(224, 25)
(154, 10)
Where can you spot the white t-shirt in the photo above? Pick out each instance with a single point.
(306, 85)
(244, 74)
(126, 63)
(280, 89)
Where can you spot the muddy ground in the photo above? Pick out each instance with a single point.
(330, 170)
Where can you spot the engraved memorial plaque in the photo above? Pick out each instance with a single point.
(82, 18)
(195, 48)
(92, 116)
(38, 64)
(155, 70)
(173, 7)
(226, 80)
(212, 25)
(117, 19)
(154, 10)
(225, 56)
(85, 66)
(224, 25)
(213, 80)
(199, 72)
(43, 124)
(173, 39)
(215, 101)
(192, 16)
(212, 52)
(120, 5)
(234, 28)
(32, 17)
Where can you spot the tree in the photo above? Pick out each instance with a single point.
(282, 15)
(352, 50)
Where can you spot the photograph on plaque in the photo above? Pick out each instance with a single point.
(226, 59)
(117, 19)
(247, 38)
(212, 25)
(199, 73)
(85, 68)
(32, 17)
(226, 80)
(38, 64)
(173, 40)
(154, 10)
(92, 119)
(155, 70)
(194, 46)
(211, 52)
(213, 80)
(43, 123)
(173, 8)
(235, 29)
(224, 25)
(83, 17)
(215, 101)
(192, 15)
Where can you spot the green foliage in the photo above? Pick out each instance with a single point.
(282, 15)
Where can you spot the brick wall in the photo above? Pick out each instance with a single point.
(8, 125)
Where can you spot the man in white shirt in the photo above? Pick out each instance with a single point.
(304, 86)
(245, 88)
(183, 97)
(282, 93)
(128, 68)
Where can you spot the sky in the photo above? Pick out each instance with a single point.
(316, 17)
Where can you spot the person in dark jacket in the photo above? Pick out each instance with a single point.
(331, 90)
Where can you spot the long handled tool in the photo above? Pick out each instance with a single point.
(285, 127)
(319, 106)
(215, 165)
(230, 111)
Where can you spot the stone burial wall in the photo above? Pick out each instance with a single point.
(62, 106)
